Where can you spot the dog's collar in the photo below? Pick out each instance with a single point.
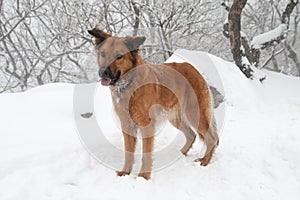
(122, 85)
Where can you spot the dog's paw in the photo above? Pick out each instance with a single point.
(203, 161)
(184, 151)
(122, 173)
(145, 175)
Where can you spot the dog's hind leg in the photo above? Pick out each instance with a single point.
(129, 144)
(190, 137)
(208, 132)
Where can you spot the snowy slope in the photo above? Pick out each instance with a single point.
(41, 156)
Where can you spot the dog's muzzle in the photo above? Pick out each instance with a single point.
(104, 72)
(105, 75)
(107, 78)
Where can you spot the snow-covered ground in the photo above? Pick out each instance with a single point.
(41, 156)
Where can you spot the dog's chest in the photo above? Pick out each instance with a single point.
(120, 101)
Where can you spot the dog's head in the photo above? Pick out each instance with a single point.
(115, 55)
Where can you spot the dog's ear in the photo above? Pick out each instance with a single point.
(133, 43)
(99, 35)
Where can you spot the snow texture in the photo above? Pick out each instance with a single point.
(260, 40)
(41, 156)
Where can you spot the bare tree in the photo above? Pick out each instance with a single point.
(41, 42)
(251, 52)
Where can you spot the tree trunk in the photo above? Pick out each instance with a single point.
(1, 5)
(234, 30)
(136, 18)
(285, 19)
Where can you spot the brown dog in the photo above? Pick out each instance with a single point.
(138, 87)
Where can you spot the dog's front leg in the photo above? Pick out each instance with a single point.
(129, 144)
(148, 143)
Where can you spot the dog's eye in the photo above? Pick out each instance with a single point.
(119, 56)
(102, 53)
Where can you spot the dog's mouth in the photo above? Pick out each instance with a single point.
(107, 81)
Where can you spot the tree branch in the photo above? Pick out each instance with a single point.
(285, 19)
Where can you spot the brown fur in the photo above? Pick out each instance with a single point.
(145, 98)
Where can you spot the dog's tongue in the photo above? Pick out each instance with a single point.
(105, 81)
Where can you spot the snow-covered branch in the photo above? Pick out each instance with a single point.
(270, 38)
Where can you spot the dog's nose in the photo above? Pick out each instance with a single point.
(104, 72)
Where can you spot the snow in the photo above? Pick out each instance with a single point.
(41, 156)
(259, 40)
